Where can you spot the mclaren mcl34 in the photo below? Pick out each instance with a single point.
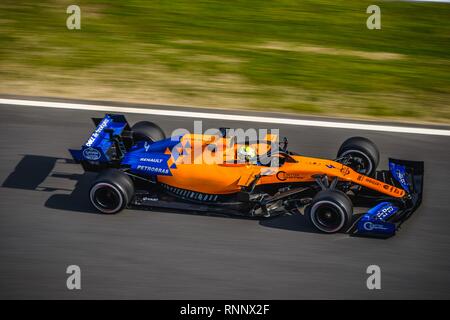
(139, 167)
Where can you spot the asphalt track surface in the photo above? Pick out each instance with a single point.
(46, 224)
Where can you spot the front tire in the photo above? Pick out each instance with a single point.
(331, 211)
(111, 191)
(362, 155)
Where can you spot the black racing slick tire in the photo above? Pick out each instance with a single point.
(362, 153)
(146, 130)
(111, 191)
(331, 211)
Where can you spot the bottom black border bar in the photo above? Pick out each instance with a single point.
(219, 309)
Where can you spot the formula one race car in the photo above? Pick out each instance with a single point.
(139, 167)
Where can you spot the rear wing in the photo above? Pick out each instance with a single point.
(107, 144)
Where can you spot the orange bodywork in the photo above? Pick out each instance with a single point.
(207, 164)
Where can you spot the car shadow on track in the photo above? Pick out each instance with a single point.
(33, 172)
(294, 222)
(76, 200)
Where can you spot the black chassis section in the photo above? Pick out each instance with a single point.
(267, 201)
(274, 200)
(263, 206)
(263, 201)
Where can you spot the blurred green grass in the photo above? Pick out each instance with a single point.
(306, 56)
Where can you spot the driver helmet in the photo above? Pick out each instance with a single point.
(247, 154)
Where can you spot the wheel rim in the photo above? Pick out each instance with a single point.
(327, 216)
(106, 198)
(359, 161)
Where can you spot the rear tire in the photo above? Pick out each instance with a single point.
(146, 130)
(331, 211)
(364, 154)
(111, 191)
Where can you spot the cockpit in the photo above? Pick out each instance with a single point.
(228, 151)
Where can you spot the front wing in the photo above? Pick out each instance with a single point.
(386, 217)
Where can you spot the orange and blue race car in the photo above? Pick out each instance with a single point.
(221, 173)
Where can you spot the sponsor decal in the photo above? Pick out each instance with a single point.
(372, 181)
(283, 176)
(375, 220)
(382, 211)
(345, 170)
(369, 226)
(360, 177)
(330, 166)
(153, 199)
(154, 160)
(386, 212)
(399, 173)
(402, 179)
(97, 132)
(392, 189)
(153, 169)
(91, 154)
(149, 163)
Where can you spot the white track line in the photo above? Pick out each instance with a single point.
(221, 116)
